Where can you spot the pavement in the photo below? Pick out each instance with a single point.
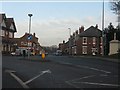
(102, 58)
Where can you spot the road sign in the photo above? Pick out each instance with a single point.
(29, 37)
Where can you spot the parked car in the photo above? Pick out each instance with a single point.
(58, 53)
(13, 53)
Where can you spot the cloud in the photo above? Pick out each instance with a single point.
(53, 31)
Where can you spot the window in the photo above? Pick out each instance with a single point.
(10, 35)
(101, 40)
(2, 33)
(101, 49)
(94, 40)
(6, 33)
(25, 43)
(29, 44)
(84, 49)
(22, 43)
(84, 40)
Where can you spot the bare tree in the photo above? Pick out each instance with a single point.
(115, 6)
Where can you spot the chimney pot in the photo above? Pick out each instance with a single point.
(81, 29)
(34, 34)
(96, 26)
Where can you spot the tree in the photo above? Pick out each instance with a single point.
(115, 6)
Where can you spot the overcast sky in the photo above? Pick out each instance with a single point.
(51, 20)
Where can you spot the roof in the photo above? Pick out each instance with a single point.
(10, 21)
(91, 32)
(1, 17)
(16, 39)
(27, 34)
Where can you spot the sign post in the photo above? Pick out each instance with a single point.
(29, 38)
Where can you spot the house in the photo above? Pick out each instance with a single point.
(7, 29)
(64, 47)
(88, 42)
(28, 41)
(84, 42)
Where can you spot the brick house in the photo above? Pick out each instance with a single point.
(7, 29)
(88, 42)
(84, 42)
(64, 47)
(28, 41)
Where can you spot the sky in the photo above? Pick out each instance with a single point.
(51, 19)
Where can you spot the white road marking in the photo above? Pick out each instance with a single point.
(71, 84)
(93, 68)
(103, 84)
(103, 75)
(87, 67)
(43, 72)
(70, 81)
(16, 78)
(23, 84)
(82, 78)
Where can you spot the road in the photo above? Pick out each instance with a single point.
(59, 72)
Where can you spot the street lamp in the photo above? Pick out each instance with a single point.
(69, 41)
(30, 15)
(103, 30)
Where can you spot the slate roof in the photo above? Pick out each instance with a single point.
(91, 32)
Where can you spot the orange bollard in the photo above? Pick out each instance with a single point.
(43, 55)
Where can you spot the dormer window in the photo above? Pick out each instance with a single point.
(84, 40)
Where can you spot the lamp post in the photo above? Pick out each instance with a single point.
(30, 15)
(69, 41)
(103, 37)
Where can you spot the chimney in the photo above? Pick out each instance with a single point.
(96, 26)
(63, 41)
(34, 34)
(73, 34)
(76, 32)
(81, 29)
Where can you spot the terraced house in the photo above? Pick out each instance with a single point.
(89, 42)
(84, 42)
(7, 29)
